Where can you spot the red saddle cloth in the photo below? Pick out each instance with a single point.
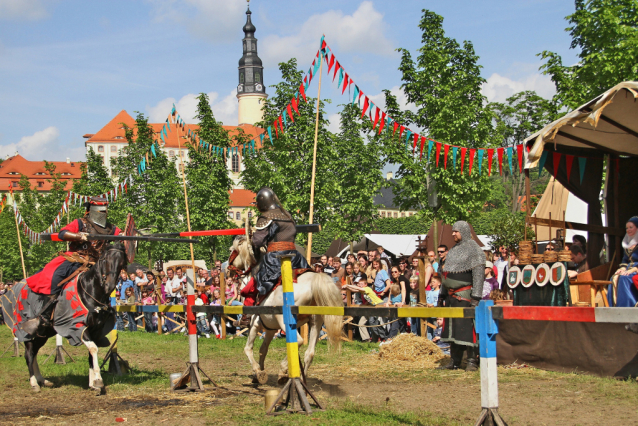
(250, 293)
(41, 282)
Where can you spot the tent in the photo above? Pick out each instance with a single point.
(555, 200)
(394, 244)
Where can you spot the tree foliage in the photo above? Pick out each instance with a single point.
(444, 83)
(508, 230)
(606, 36)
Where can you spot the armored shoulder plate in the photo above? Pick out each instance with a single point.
(262, 222)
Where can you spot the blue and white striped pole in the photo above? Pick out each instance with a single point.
(487, 329)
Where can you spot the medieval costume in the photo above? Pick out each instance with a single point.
(624, 291)
(52, 279)
(463, 275)
(275, 234)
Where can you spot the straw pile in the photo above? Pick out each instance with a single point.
(411, 349)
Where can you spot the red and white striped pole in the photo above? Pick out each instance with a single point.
(193, 353)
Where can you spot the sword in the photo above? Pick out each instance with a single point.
(97, 237)
(301, 229)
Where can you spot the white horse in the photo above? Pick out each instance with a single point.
(311, 289)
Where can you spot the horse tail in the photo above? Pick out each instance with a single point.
(325, 293)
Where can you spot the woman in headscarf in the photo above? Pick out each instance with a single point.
(463, 275)
(624, 292)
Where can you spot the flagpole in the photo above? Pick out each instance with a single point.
(314, 161)
(15, 216)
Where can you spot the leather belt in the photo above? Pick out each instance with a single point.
(452, 292)
(281, 246)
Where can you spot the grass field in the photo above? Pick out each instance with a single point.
(355, 386)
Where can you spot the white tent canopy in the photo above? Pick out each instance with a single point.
(395, 244)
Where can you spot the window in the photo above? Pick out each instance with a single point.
(171, 154)
(66, 174)
(37, 174)
(402, 214)
(113, 147)
(411, 214)
(14, 184)
(235, 163)
(15, 173)
(40, 184)
(250, 215)
(382, 214)
(241, 78)
(100, 148)
(396, 214)
(117, 137)
(231, 215)
(257, 77)
(238, 216)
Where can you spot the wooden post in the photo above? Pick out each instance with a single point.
(15, 216)
(314, 162)
(422, 297)
(349, 304)
(222, 295)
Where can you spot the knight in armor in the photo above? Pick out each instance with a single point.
(52, 278)
(275, 235)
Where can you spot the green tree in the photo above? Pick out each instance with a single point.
(208, 185)
(508, 230)
(416, 224)
(287, 167)
(606, 36)
(10, 261)
(444, 83)
(155, 197)
(520, 116)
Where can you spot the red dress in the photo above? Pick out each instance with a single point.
(47, 279)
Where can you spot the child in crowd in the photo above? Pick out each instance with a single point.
(432, 299)
(490, 282)
(130, 300)
(202, 326)
(395, 299)
(415, 323)
(216, 321)
(445, 347)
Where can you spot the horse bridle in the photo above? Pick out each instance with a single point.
(233, 268)
(103, 278)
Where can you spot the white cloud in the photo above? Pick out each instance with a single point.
(498, 88)
(37, 145)
(213, 20)
(223, 109)
(30, 10)
(361, 32)
(402, 99)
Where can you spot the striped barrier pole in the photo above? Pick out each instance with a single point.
(487, 329)
(295, 389)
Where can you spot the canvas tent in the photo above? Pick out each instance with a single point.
(395, 244)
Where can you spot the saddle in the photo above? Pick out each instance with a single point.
(295, 275)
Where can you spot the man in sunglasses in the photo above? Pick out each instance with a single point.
(442, 251)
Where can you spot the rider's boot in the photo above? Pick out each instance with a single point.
(41, 322)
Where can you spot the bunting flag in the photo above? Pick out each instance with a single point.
(499, 153)
(582, 162)
(509, 159)
(438, 153)
(395, 126)
(556, 161)
(422, 145)
(365, 107)
(383, 118)
(430, 144)
(454, 149)
(416, 140)
(463, 151)
(490, 155)
(541, 163)
(480, 159)
(446, 149)
(569, 161)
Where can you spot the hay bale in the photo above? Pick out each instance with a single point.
(411, 348)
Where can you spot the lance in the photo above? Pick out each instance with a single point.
(301, 229)
(96, 237)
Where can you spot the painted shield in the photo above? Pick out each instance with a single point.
(527, 276)
(557, 274)
(542, 274)
(514, 277)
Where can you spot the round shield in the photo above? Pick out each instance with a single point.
(527, 276)
(557, 273)
(542, 274)
(514, 277)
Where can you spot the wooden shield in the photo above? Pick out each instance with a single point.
(528, 276)
(514, 277)
(130, 246)
(557, 275)
(542, 274)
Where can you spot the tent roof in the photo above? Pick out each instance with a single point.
(396, 244)
(336, 247)
(608, 124)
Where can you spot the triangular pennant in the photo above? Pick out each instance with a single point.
(438, 153)
(454, 149)
(395, 126)
(346, 83)
(569, 161)
(430, 144)
(275, 125)
(337, 66)
(541, 163)
(422, 146)
(401, 132)
(480, 160)
(332, 62)
(270, 134)
(582, 162)
(376, 118)
(340, 78)
(382, 122)
(509, 159)
(289, 109)
(356, 94)
(499, 153)
(303, 92)
(365, 106)
(519, 155)
(446, 149)
(285, 121)
(463, 152)
(556, 162)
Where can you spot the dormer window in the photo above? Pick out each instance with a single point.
(66, 174)
(13, 173)
(118, 137)
(40, 174)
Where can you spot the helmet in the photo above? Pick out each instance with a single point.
(97, 208)
(266, 199)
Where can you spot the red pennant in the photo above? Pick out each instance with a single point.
(281, 125)
(422, 145)
(472, 152)
(556, 162)
(359, 98)
(463, 151)
(499, 152)
(323, 46)
(376, 119)
(519, 154)
(275, 125)
(446, 149)
(365, 106)
(289, 109)
(294, 104)
(312, 67)
(438, 153)
(569, 160)
(332, 62)
(337, 66)
(396, 126)
(416, 140)
(303, 92)
(345, 84)
(490, 155)
(382, 122)
(401, 132)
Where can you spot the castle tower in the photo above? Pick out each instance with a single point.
(251, 92)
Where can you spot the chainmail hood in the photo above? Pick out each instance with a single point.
(466, 254)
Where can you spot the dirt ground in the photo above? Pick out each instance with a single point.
(344, 383)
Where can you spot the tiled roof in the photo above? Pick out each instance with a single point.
(241, 198)
(12, 168)
(114, 132)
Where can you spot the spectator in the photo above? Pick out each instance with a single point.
(579, 259)
(148, 300)
(414, 270)
(358, 275)
(328, 268)
(208, 279)
(130, 301)
(400, 280)
(351, 258)
(348, 276)
(216, 321)
(502, 265)
(366, 297)
(123, 283)
(202, 324)
(382, 253)
(338, 271)
(136, 289)
(372, 254)
(172, 297)
(344, 297)
(181, 277)
(217, 283)
(232, 296)
(324, 261)
(381, 280)
(396, 300)
(579, 240)
(490, 283)
(442, 251)
(363, 262)
(403, 267)
(432, 300)
(163, 293)
(140, 282)
(415, 323)
(318, 267)
(150, 282)
(445, 347)
(433, 262)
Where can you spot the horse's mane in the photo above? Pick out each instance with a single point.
(244, 250)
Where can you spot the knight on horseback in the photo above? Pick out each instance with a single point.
(51, 279)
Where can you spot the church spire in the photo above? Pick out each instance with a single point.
(251, 71)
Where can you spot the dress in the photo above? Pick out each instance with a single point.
(626, 292)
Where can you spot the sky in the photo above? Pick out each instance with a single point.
(68, 67)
